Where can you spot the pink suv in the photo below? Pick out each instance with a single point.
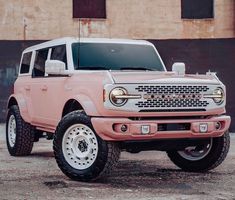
(96, 97)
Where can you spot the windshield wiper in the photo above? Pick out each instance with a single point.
(136, 68)
(91, 68)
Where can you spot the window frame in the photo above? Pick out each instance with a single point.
(49, 47)
(212, 15)
(43, 46)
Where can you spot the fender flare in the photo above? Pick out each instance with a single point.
(21, 102)
(87, 104)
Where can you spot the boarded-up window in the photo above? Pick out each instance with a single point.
(197, 9)
(89, 9)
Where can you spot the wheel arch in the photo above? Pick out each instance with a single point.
(71, 105)
(11, 101)
(21, 103)
(81, 102)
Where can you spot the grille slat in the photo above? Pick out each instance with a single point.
(172, 96)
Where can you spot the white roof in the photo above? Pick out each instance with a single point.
(65, 40)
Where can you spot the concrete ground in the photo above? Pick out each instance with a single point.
(147, 175)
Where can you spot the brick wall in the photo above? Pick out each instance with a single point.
(157, 19)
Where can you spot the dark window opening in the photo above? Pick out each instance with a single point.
(25, 64)
(59, 53)
(39, 64)
(197, 9)
(89, 9)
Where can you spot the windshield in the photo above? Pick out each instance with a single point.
(108, 56)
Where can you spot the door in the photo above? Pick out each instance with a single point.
(47, 91)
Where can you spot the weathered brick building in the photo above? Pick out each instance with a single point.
(200, 33)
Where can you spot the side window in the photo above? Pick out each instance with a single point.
(25, 64)
(39, 64)
(59, 53)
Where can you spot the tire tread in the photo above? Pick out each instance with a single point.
(212, 160)
(106, 162)
(24, 137)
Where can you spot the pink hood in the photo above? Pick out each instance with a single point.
(161, 77)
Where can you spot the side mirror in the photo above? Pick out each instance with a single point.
(179, 68)
(55, 67)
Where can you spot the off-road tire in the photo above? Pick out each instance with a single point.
(217, 154)
(107, 157)
(24, 134)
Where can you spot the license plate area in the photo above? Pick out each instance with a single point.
(174, 127)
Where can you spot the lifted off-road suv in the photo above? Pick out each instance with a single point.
(101, 96)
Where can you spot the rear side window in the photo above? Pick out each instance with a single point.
(59, 53)
(39, 64)
(25, 64)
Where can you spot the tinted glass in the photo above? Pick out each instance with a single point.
(59, 53)
(25, 65)
(106, 56)
(39, 65)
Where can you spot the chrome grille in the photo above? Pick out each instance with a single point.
(172, 96)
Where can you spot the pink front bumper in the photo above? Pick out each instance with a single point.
(109, 128)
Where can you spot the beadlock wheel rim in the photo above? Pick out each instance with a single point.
(195, 153)
(12, 131)
(80, 146)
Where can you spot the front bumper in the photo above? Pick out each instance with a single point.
(110, 128)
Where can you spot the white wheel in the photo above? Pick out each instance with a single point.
(12, 131)
(80, 146)
(79, 152)
(197, 152)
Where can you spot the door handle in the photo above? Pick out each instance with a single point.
(44, 88)
(27, 88)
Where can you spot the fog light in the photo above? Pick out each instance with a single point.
(124, 128)
(203, 128)
(217, 125)
(145, 129)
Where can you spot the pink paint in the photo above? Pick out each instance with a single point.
(42, 100)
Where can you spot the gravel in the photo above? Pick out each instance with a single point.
(147, 175)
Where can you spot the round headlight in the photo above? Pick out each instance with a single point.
(115, 93)
(219, 96)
